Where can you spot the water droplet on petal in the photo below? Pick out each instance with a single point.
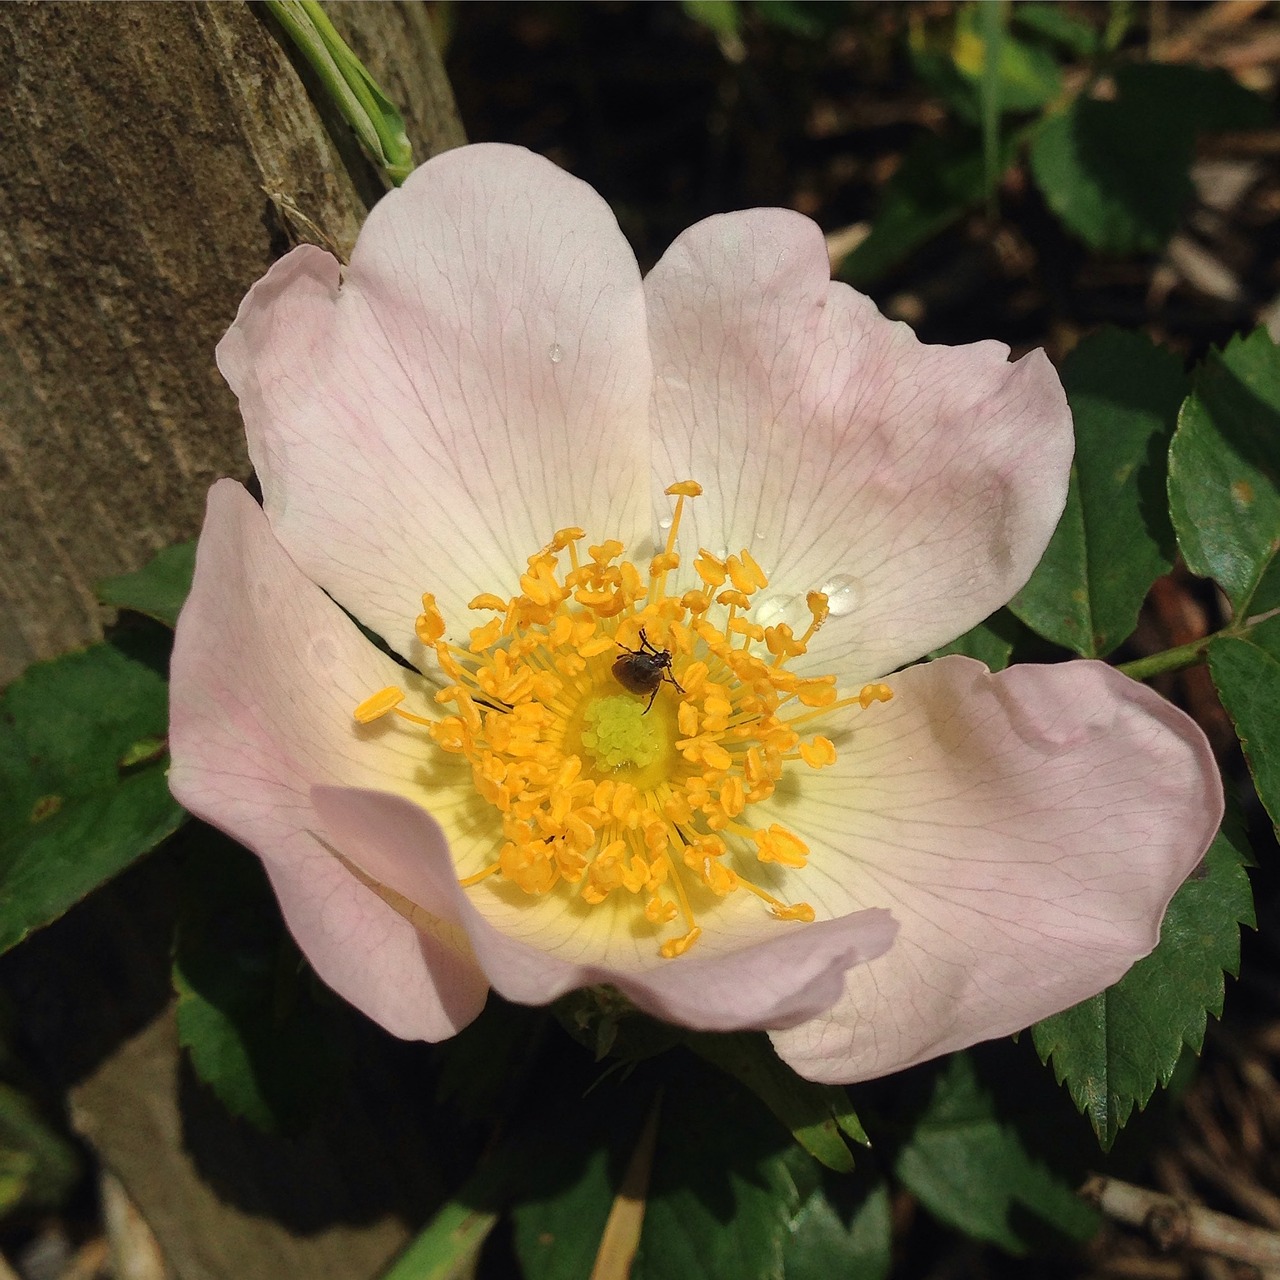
(556, 352)
(843, 593)
(774, 610)
(665, 523)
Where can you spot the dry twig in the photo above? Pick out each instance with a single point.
(1174, 1223)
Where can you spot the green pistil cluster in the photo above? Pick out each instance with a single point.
(617, 733)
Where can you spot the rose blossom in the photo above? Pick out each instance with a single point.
(732, 491)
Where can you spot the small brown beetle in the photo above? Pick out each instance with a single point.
(644, 669)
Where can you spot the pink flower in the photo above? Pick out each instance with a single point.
(876, 867)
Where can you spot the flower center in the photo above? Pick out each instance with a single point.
(622, 732)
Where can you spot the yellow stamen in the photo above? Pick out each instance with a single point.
(376, 705)
(635, 781)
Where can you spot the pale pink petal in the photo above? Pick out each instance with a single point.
(1027, 831)
(917, 485)
(480, 379)
(793, 975)
(265, 674)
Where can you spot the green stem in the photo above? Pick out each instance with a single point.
(357, 97)
(1184, 655)
(447, 1246)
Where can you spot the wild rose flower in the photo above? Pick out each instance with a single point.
(657, 550)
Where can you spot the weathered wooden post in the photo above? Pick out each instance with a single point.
(138, 147)
(144, 151)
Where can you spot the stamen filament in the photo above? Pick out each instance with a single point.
(549, 703)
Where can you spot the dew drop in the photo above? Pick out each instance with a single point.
(665, 523)
(556, 352)
(843, 594)
(776, 609)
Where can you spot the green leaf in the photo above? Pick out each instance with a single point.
(1024, 76)
(38, 1166)
(483, 1066)
(842, 1228)
(1246, 671)
(721, 1195)
(1113, 1049)
(262, 1032)
(74, 810)
(159, 589)
(811, 20)
(940, 179)
(721, 17)
(968, 1162)
(1224, 473)
(816, 1114)
(1117, 171)
(1054, 23)
(446, 1247)
(563, 1160)
(1114, 538)
(558, 1232)
(991, 641)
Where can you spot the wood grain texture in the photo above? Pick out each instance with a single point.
(136, 141)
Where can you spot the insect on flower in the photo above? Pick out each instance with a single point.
(644, 669)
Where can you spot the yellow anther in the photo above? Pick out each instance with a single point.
(660, 911)
(754, 572)
(733, 796)
(430, 623)
(820, 692)
(744, 627)
(710, 569)
(378, 704)
(604, 552)
(488, 601)
(799, 911)
(678, 946)
(745, 573)
(734, 598)
(819, 753)
(781, 846)
(684, 489)
(563, 537)
(597, 646)
(819, 606)
(687, 719)
(485, 637)
(695, 602)
(781, 642)
(664, 562)
(718, 878)
(874, 693)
